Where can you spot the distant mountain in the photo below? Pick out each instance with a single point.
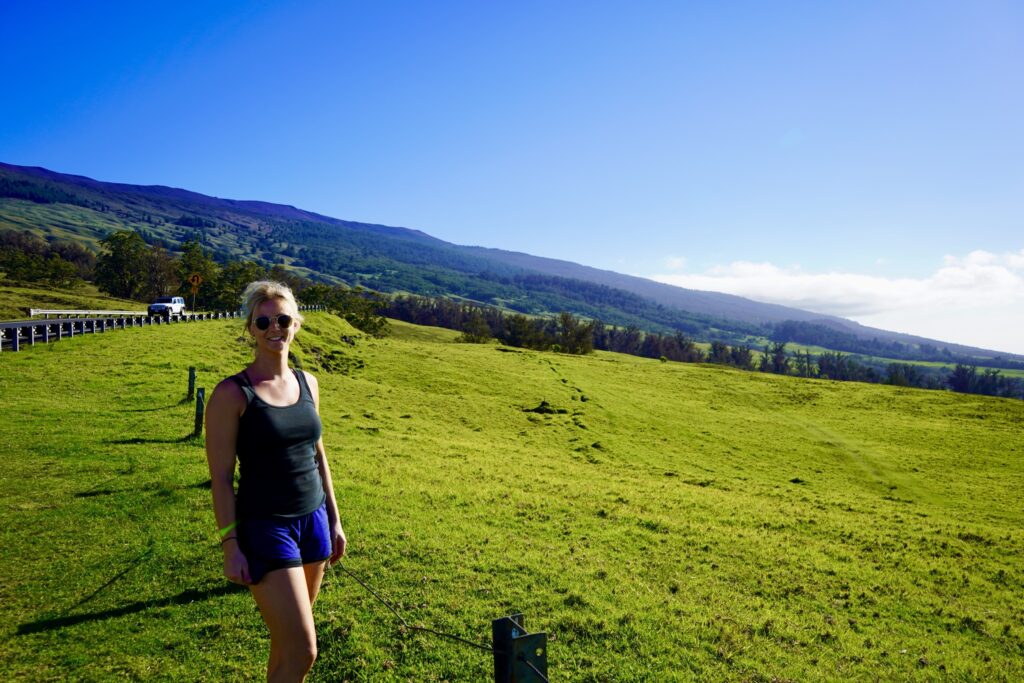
(707, 303)
(395, 259)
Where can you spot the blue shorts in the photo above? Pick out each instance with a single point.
(276, 543)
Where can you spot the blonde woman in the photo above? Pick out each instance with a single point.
(281, 528)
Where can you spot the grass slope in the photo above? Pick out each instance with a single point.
(677, 522)
(16, 302)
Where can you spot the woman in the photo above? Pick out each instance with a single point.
(281, 529)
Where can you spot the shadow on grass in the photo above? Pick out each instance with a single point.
(157, 408)
(182, 598)
(131, 565)
(93, 492)
(136, 440)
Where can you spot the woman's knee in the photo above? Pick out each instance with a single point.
(309, 654)
(299, 654)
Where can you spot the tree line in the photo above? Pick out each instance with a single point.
(130, 267)
(565, 333)
(816, 334)
(568, 334)
(26, 257)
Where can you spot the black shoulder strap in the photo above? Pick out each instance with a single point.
(245, 385)
(303, 385)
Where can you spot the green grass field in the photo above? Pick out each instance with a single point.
(677, 522)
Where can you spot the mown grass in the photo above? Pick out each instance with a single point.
(675, 522)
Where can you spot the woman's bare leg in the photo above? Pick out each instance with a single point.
(314, 576)
(283, 599)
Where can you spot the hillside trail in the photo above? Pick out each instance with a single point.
(879, 474)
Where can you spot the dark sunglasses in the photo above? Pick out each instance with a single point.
(283, 321)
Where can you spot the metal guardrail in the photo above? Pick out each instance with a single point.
(18, 333)
(46, 313)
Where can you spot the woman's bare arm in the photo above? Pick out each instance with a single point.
(222, 413)
(338, 539)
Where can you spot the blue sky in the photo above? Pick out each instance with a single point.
(864, 159)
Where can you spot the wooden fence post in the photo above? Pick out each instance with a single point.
(200, 407)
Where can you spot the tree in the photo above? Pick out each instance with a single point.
(296, 283)
(475, 330)
(121, 266)
(774, 359)
(804, 364)
(963, 378)
(904, 375)
(362, 309)
(234, 278)
(574, 335)
(833, 365)
(742, 357)
(161, 276)
(196, 260)
(719, 353)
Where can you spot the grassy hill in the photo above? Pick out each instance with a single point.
(676, 522)
(16, 302)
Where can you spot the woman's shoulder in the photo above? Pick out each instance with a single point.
(310, 379)
(230, 388)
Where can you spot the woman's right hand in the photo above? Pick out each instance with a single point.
(236, 567)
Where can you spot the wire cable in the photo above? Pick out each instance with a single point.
(409, 626)
(535, 669)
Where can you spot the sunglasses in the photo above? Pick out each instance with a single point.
(263, 322)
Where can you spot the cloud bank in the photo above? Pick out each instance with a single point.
(977, 299)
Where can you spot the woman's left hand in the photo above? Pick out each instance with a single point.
(338, 543)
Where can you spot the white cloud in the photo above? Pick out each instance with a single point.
(977, 299)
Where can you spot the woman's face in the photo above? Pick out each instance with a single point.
(274, 337)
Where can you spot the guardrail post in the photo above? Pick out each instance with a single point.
(200, 407)
(14, 339)
(191, 382)
(46, 333)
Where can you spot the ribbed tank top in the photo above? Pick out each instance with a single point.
(276, 448)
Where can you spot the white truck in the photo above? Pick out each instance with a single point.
(167, 306)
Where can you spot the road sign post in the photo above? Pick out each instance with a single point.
(195, 279)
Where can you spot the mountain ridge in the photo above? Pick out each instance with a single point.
(397, 259)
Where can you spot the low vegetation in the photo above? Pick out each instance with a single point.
(16, 302)
(662, 521)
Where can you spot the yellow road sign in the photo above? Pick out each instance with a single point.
(196, 279)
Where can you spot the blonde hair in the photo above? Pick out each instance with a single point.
(256, 293)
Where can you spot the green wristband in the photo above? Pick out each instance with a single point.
(226, 530)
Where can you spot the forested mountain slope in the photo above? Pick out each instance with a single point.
(394, 259)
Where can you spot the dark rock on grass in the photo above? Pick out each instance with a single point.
(546, 408)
